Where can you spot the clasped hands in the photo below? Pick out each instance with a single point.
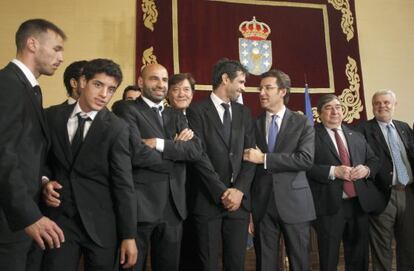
(185, 135)
(351, 173)
(231, 199)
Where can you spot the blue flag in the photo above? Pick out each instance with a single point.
(308, 106)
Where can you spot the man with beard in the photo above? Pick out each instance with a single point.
(221, 212)
(24, 143)
(161, 144)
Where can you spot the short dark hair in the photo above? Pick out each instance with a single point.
(229, 67)
(282, 81)
(179, 77)
(74, 70)
(101, 65)
(35, 27)
(327, 98)
(129, 88)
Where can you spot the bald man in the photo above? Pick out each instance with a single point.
(161, 143)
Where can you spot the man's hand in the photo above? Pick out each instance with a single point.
(150, 142)
(343, 172)
(251, 225)
(184, 135)
(129, 253)
(50, 195)
(231, 199)
(359, 172)
(45, 230)
(253, 155)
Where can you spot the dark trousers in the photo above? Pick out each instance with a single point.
(164, 239)
(78, 243)
(18, 256)
(350, 225)
(188, 257)
(266, 242)
(222, 232)
(396, 221)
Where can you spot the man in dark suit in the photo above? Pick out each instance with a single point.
(161, 145)
(71, 79)
(221, 208)
(92, 197)
(24, 142)
(343, 189)
(281, 198)
(393, 143)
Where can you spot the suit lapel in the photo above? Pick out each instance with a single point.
(62, 131)
(352, 149)
(32, 98)
(149, 115)
(403, 135)
(261, 132)
(213, 115)
(236, 122)
(325, 138)
(94, 134)
(283, 129)
(379, 136)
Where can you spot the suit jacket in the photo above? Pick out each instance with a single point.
(285, 175)
(375, 138)
(328, 193)
(100, 175)
(23, 147)
(157, 175)
(227, 160)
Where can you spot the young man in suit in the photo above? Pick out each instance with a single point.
(393, 143)
(161, 145)
(92, 196)
(343, 189)
(281, 198)
(71, 79)
(24, 142)
(221, 208)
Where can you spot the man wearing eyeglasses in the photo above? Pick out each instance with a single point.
(281, 198)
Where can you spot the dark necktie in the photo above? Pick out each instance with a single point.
(226, 123)
(38, 95)
(272, 134)
(400, 168)
(349, 187)
(157, 111)
(78, 137)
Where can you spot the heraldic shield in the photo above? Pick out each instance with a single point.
(256, 55)
(255, 52)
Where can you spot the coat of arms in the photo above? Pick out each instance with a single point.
(255, 52)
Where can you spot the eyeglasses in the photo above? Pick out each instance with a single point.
(267, 87)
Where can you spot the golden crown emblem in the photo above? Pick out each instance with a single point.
(254, 30)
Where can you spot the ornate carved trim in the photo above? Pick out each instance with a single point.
(148, 57)
(150, 13)
(347, 17)
(350, 98)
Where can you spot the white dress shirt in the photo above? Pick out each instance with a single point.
(217, 103)
(27, 72)
(159, 142)
(72, 125)
(279, 120)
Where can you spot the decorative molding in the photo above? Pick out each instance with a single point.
(148, 57)
(347, 22)
(352, 104)
(150, 13)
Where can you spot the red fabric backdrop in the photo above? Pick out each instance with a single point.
(314, 41)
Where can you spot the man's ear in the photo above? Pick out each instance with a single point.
(73, 83)
(32, 44)
(82, 82)
(225, 78)
(140, 82)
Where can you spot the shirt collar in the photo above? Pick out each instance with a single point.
(217, 101)
(27, 72)
(152, 104)
(77, 109)
(279, 114)
(384, 124)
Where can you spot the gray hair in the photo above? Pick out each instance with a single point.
(384, 92)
